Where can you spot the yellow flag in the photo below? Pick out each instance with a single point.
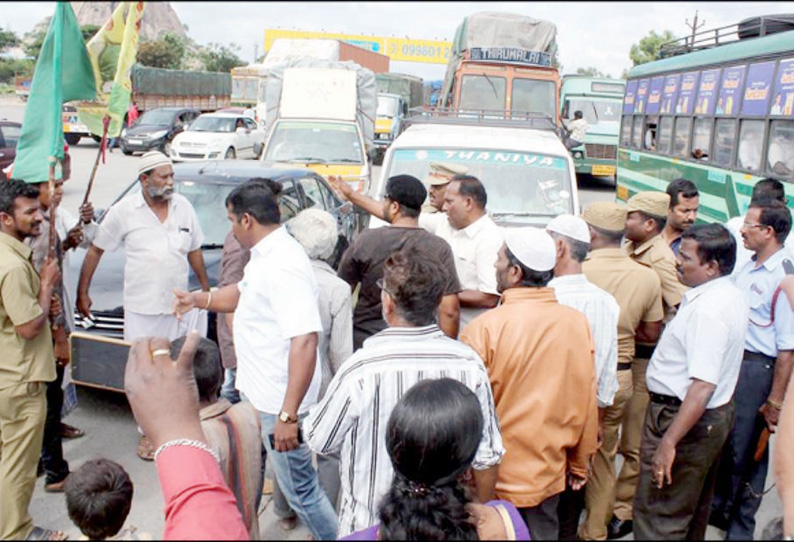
(113, 50)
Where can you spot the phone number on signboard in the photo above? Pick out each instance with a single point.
(428, 51)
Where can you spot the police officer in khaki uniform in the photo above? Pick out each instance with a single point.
(638, 291)
(645, 221)
(437, 179)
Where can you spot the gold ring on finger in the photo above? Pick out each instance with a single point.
(161, 352)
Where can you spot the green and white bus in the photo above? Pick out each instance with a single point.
(718, 114)
(599, 99)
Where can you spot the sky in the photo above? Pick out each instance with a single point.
(589, 34)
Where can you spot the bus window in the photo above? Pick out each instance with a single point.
(649, 137)
(780, 156)
(535, 96)
(724, 141)
(664, 135)
(483, 92)
(751, 139)
(625, 132)
(701, 139)
(681, 136)
(636, 138)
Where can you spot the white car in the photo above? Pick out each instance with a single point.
(218, 136)
(527, 173)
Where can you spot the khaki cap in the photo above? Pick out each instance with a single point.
(651, 203)
(606, 215)
(442, 172)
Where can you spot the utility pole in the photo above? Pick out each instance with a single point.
(256, 52)
(694, 27)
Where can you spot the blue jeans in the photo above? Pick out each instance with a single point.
(300, 484)
(229, 391)
(740, 479)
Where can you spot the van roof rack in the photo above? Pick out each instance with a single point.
(753, 27)
(480, 117)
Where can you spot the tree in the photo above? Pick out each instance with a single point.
(591, 72)
(166, 52)
(647, 49)
(33, 43)
(7, 39)
(220, 58)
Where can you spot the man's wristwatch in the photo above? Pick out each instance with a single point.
(286, 418)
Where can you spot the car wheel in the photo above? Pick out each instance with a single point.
(230, 154)
(72, 139)
(258, 148)
(98, 138)
(126, 152)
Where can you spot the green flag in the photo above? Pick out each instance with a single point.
(63, 73)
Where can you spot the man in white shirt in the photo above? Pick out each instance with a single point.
(572, 239)
(352, 417)
(161, 235)
(577, 129)
(476, 241)
(691, 380)
(763, 189)
(276, 326)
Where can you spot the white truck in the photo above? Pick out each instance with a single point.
(321, 115)
(249, 83)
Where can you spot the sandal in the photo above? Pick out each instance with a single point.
(39, 533)
(70, 431)
(145, 449)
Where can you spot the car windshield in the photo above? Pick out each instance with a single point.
(519, 185)
(213, 124)
(387, 106)
(156, 117)
(208, 199)
(595, 111)
(323, 142)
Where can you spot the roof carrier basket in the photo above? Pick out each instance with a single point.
(753, 27)
(480, 117)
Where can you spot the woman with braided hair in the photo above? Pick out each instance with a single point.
(432, 437)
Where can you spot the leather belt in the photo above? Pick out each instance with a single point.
(624, 366)
(668, 400)
(644, 351)
(757, 356)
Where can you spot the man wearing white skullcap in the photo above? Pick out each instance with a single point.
(539, 356)
(160, 233)
(572, 238)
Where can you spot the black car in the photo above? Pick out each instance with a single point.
(100, 362)
(155, 129)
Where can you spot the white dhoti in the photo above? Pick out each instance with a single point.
(138, 325)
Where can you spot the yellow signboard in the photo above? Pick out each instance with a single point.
(428, 51)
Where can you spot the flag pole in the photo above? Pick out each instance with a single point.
(51, 187)
(100, 153)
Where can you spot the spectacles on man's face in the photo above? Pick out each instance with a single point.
(379, 284)
(749, 225)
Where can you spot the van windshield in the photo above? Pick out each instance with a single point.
(323, 142)
(521, 187)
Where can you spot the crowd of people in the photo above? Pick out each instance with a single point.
(451, 379)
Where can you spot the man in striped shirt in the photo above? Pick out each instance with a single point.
(353, 414)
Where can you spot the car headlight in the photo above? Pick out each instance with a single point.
(156, 135)
(123, 132)
(578, 154)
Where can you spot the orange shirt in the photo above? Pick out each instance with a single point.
(539, 356)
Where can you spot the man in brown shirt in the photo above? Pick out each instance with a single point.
(231, 272)
(637, 290)
(539, 356)
(645, 221)
(362, 262)
(27, 362)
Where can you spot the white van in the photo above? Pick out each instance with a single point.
(528, 174)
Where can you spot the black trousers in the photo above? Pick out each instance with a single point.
(569, 510)
(542, 519)
(679, 511)
(55, 467)
(740, 479)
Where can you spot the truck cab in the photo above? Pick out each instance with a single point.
(389, 122)
(503, 67)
